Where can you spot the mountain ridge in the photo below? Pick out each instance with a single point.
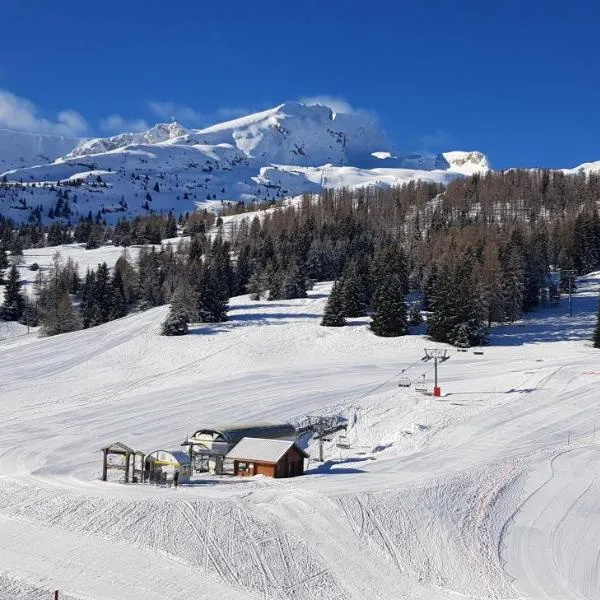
(284, 151)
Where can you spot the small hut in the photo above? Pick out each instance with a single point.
(121, 457)
(273, 458)
(166, 466)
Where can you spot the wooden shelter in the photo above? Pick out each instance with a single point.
(123, 458)
(273, 458)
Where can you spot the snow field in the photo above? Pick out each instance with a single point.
(435, 499)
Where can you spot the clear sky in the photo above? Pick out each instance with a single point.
(516, 80)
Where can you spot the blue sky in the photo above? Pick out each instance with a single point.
(516, 80)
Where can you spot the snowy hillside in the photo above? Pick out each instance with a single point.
(488, 492)
(282, 152)
(21, 149)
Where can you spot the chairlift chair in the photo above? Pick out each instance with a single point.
(404, 382)
(420, 385)
(343, 442)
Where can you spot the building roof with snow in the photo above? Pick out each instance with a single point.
(233, 433)
(262, 450)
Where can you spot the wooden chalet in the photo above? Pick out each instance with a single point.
(273, 458)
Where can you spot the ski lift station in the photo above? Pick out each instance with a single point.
(208, 446)
(164, 465)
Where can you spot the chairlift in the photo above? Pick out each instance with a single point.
(420, 385)
(404, 382)
(343, 442)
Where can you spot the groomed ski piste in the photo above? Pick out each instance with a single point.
(491, 491)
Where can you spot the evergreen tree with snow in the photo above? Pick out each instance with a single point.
(3, 264)
(14, 302)
(180, 312)
(255, 285)
(596, 338)
(293, 284)
(414, 316)
(56, 311)
(333, 316)
(461, 336)
(389, 316)
(353, 295)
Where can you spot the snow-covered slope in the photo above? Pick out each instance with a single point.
(21, 149)
(285, 151)
(585, 168)
(489, 492)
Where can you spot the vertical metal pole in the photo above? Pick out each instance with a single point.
(435, 363)
(56, 595)
(320, 449)
(570, 296)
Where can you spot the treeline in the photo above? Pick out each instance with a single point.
(95, 232)
(196, 277)
(476, 253)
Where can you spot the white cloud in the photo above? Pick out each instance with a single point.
(117, 124)
(21, 114)
(438, 139)
(338, 105)
(176, 112)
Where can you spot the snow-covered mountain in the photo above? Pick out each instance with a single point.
(467, 163)
(20, 149)
(162, 132)
(285, 151)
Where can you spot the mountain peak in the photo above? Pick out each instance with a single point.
(161, 132)
(467, 162)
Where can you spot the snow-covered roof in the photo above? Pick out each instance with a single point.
(233, 433)
(170, 456)
(118, 447)
(262, 450)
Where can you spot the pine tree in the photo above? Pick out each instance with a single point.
(333, 315)
(3, 264)
(353, 297)
(597, 329)
(389, 316)
(255, 286)
(118, 306)
(293, 284)
(14, 302)
(87, 305)
(179, 314)
(212, 298)
(414, 316)
(56, 311)
(461, 336)
(171, 226)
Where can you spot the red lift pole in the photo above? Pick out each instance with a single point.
(437, 355)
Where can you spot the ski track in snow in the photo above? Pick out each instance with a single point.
(490, 492)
